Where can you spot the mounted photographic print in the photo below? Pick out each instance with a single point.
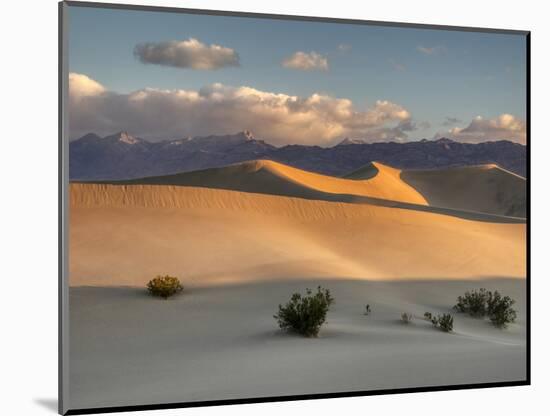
(264, 208)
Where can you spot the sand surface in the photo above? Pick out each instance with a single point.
(243, 238)
(266, 176)
(124, 235)
(222, 342)
(479, 189)
(485, 188)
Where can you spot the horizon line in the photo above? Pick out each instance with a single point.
(247, 133)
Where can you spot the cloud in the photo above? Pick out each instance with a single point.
(424, 125)
(190, 53)
(344, 47)
(219, 109)
(397, 133)
(306, 61)
(451, 121)
(82, 86)
(434, 50)
(503, 127)
(397, 65)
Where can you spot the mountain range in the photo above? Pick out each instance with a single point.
(123, 156)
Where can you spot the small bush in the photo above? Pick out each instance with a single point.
(473, 303)
(443, 322)
(483, 302)
(428, 316)
(305, 314)
(367, 309)
(406, 318)
(164, 286)
(500, 311)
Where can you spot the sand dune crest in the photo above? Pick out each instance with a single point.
(268, 177)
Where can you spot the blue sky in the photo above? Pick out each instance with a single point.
(433, 74)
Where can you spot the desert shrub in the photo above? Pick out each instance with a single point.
(164, 286)
(367, 309)
(406, 317)
(305, 314)
(474, 302)
(483, 302)
(500, 311)
(443, 322)
(428, 316)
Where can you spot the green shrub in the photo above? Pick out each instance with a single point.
(486, 303)
(500, 311)
(406, 318)
(164, 286)
(428, 316)
(474, 302)
(305, 314)
(443, 322)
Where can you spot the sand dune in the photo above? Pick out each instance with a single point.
(124, 235)
(480, 189)
(268, 177)
(484, 188)
(242, 250)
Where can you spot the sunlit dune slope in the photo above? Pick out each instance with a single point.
(268, 177)
(483, 188)
(125, 234)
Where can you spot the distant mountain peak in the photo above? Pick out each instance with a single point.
(124, 137)
(178, 142)
(348, 141)
(123, 156)
(444, 140)
(87, 137)
(247, 134)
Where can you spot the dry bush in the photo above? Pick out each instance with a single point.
(164, 286)
(406, 318)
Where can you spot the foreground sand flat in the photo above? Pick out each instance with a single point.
(221, 342)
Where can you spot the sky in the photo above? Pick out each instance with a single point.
(171, 75)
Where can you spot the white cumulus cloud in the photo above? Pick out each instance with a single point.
(190, 53)
(344, 47)
(433, 50)
(306, 61)
(502, 127)
(82, 86)
(220, 109)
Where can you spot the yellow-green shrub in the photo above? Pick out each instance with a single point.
(164, 286)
